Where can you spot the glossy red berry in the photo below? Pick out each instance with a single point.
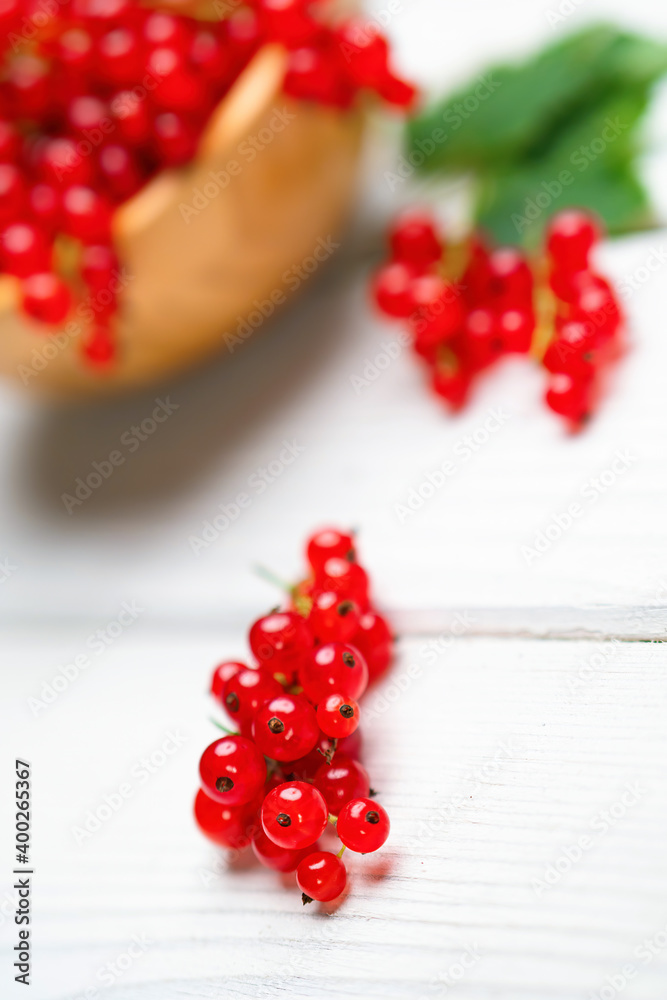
(46, 298)
(286, 728)
(438, 311)
(414, 239)
(516, 328)
(98, 263)
(570, 397)
(363, 825)
(392, 289)
(510, 278)
(365, 53)
(595, 305)
(321, 876)
(281, 641)
(86, 215)
(245, 693)
(12, 192)
(453, 385)
(327, 543)
(571, 351)
(24, 250)
(347, 579)
(340, 781)
(571, 236)
(294, 815)
(375, 642)
(99, 347)
(333, 620)
(338, 716)
(334, 668)
(232, 770)
(223, 673)
(482, 341)
(228, 826)
(280, 859)
(287, 20)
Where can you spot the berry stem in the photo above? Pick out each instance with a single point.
(271, 577)
(341, 852)
(230, 732)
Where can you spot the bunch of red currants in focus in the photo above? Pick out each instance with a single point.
(97, 96)
(468, 305)
(291, 771)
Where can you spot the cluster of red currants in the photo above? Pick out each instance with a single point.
(96, 96)
(466, 313)
(293, 766)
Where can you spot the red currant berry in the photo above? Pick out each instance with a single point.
(375, 642)
(516, 328)
(246, 691)
(86, 215)
(321, 876)
(570, 397)
(510, 278)
(287, 21)
(61, 164)
(398, 92)
(281, 859)
(414, 239)
(365, 53)
(232, 770)
(9, 142)
(333, 620)
(363, 825)
(338, 716)
(98, 262)
(223, 673)
(44, 208)
(23, 250)
(98, 347)
(452, 383)
(438, 310)
(595, 304)
(329, 542)
(335, 668)
(571, 351)
(294, 815)
(175, 139)
(313, 75)
(392, 289)
(285, 728)
(228, 826)
(482, 338)
(347, 579)
(571, 236)
(12, 192)
(280, 641)
(339, 782)
(46, 297)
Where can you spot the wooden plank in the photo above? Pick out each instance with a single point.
(494, 758)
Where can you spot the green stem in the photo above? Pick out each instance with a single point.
(230, 732)
(341, 852)
(271, 577)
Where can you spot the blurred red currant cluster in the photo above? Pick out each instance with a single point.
(469, 305)
(97, 96)
(293, 765)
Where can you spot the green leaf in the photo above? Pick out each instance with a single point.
(514, 207)
(513, 112)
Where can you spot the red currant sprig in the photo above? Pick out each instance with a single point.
(294, 767)
(556, 307)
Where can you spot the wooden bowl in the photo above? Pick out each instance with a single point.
(202, 248)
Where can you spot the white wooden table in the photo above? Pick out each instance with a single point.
(520, 745)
